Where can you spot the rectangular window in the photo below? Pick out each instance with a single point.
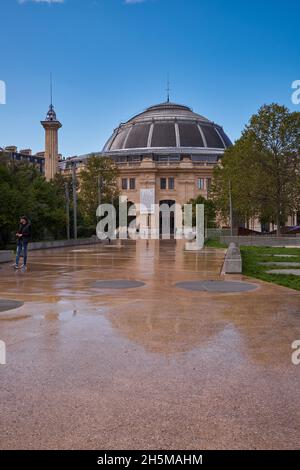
(132, 183)
(121, 160)
(208, 183)
(171, 183)
(200, 183)
(163, 183)
(124, 183)
(163, 159)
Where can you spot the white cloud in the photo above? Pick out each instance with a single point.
(130, 2)
(41, 1)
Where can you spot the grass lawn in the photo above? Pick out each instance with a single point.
(213, 243)
(253, 255)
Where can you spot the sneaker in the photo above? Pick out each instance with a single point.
(24, 267)
(15, 266)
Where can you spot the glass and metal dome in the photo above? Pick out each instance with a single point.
(167, 126)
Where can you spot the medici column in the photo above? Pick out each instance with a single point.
(51, 126)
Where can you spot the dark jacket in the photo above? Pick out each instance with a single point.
(25, 230)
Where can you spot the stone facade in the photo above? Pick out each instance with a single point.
(168, 149)
(172, 181)
(51, 126)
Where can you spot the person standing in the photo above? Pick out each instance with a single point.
(23, 236)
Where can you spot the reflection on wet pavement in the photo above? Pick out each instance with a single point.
(148, 367)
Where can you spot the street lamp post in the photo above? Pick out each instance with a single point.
(67, 209)
(99, 184)
(230, 209)
(74, 199)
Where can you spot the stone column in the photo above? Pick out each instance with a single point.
(51, 126)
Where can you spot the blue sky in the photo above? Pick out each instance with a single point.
(110, 59)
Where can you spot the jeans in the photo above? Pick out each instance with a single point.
(22, 246)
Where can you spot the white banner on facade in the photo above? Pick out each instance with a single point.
(147, 201)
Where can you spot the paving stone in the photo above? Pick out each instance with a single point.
(294, 272)
(280, 263)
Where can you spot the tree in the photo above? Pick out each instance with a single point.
(263, 168)
(98, 184)
(24, 191)
(209, 210)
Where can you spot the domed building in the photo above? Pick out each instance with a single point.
(166, 154)
(172, 127)
(169, 149)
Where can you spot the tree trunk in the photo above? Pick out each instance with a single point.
(278, 223)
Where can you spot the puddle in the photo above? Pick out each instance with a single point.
(118, 284)
(6, 305)
(216, 286)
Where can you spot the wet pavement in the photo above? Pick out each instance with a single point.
(152, 366)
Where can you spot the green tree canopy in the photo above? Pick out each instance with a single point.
(209, 210)
(24, 191)
(262, 168)
(98, 183)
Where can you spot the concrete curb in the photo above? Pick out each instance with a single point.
(262, 241)
(233, 260)
(6, 256)
(62, 243)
